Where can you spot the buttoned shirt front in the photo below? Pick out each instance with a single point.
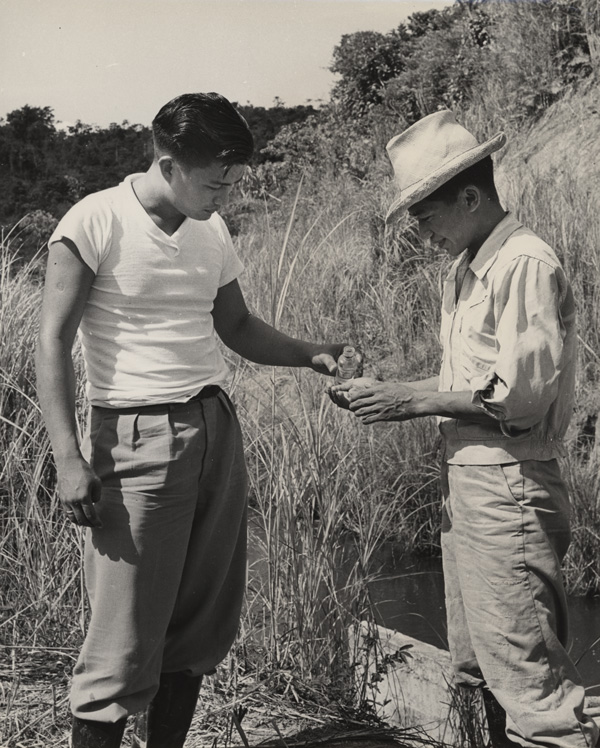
(509, 338)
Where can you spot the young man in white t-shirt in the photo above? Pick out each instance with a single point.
(147, 273)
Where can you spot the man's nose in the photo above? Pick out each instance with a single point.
(222, 197)
(424, 232)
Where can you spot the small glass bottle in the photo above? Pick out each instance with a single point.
(347, 365)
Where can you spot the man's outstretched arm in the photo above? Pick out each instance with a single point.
(254, 339)
(373, 401)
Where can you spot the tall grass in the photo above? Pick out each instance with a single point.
(325, 490)
(563, 212)
(311, 469)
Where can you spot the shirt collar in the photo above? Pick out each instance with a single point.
(486, 255)
(151, 227)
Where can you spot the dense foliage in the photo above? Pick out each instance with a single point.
(499, 64)
(47, 169)
(502, 63)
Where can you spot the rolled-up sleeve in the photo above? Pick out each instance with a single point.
(523, 382)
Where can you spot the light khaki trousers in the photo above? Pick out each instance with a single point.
(505, 531)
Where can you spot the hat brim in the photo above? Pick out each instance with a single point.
(424, 187)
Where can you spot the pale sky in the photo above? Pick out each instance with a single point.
(104, 61)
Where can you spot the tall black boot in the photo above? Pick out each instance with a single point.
(89, 734)
(496, 719)
(166, 722)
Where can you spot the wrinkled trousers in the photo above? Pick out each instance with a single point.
(505, 531)
(166, 572)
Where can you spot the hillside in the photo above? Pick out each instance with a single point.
(564, 142)
(550, 175)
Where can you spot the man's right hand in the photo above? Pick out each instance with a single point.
(339, 392)
(78, 491)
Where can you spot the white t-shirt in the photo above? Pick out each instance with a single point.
(147, 331)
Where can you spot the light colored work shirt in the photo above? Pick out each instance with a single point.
(147, 330)
(509, 339)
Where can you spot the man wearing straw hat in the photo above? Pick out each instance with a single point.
(504, 397)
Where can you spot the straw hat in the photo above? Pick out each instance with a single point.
(431, 152)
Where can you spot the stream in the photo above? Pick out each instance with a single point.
(409, 597)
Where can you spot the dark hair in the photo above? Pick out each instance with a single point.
(198, 128)
(481, 174)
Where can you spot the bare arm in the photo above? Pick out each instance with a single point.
(375, 401)
(68, 282)
(429, 385)
(254, 339)
(449, 405)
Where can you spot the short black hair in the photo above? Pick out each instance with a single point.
(198, 128)
(481, 174)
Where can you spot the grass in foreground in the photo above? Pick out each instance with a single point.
(318, 478)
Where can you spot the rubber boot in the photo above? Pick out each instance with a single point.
(496, 719)
(166, 721)
(89, 734)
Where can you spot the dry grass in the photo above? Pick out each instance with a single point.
(311, 470)
(319, 480)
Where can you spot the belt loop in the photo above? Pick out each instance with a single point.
(135, 432)
(210, 390)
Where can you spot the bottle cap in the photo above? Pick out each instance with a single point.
(349, 351)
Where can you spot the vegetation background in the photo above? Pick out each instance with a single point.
(309, 224)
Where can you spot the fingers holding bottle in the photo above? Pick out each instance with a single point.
(349, 370)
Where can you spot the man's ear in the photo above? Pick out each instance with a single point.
(471, 197)
(165, 164)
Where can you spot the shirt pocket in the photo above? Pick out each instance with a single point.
(477, 336)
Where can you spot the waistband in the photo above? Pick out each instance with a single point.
(481, 444)
(211, 390)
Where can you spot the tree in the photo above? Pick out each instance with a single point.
(266, 123)
(32, 124)
(445, 63)
(27, 138)
(366, 60)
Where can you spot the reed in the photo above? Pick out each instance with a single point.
(325, 490)
(561, 210)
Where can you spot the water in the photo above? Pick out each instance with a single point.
(409, 597)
